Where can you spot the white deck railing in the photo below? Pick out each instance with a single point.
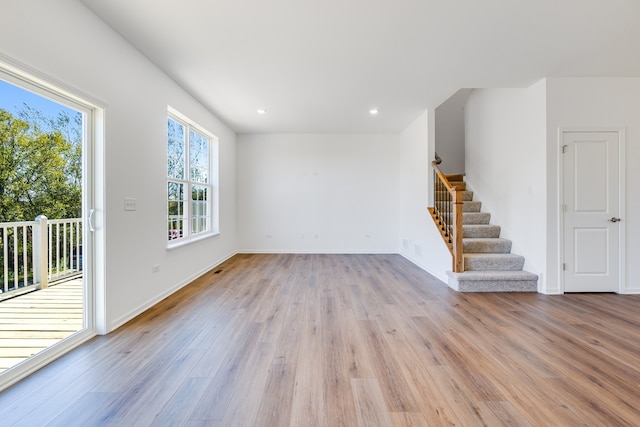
(34, 254)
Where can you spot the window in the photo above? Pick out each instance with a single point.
(192, 192)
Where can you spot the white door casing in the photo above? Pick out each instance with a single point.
(592, 200)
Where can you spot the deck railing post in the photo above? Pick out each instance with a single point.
(41, 251)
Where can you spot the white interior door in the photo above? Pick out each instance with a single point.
(591, 208)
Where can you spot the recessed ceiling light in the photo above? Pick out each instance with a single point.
(373, 111)
(262, 111)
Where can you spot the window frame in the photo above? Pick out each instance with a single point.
(211, 186)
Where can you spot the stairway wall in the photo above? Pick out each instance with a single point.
(506, 165)
(449, 132)
(419, 239)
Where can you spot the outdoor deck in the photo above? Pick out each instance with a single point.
(32, 322)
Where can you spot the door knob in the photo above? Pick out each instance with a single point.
(614, 219)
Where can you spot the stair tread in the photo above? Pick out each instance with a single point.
(480, 230)
(473, 218)
(478, 245)
(492, 255)
(471, 206)
(493, 262)
(485, 239)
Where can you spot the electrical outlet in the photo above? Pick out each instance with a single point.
(130, 204)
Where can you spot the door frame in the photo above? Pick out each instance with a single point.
(621, 131)
(93, 199)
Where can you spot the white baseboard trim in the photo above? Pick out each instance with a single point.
(116, 323)
(414, 261)
(317, 252)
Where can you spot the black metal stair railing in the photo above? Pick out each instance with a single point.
(447, 214)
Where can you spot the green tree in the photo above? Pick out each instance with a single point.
(40, 165)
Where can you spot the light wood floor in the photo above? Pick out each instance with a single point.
(32, 322)
(347, 340)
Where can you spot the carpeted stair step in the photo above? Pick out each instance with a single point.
(471, 206)
(486, 245)
(489, 262)
(461, 185)
(493, 281)
(480, 230)
(475, 217)
(466, 195)
(471, 218)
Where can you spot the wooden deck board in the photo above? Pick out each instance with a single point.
(32, 322)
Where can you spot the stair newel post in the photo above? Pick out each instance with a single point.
(458, 259)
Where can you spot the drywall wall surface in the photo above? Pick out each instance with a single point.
(596, 104)
(64, 42)
(419, 239)
(320, 193)
(506, 165)
(449, 132)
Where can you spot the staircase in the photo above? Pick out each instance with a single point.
(489, 265)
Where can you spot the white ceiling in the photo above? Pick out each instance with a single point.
(321, 65)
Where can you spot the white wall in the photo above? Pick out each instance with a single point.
(449, 132)
(594, 103)
(317, 193)
(420, 241)
(66, 42)
(506, 165)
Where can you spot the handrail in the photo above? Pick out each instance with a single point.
(447, 214)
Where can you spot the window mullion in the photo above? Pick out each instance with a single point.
(187, 171)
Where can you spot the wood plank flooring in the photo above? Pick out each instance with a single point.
(346, 340)
(32, 322)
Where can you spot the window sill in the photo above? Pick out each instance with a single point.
(178, 243)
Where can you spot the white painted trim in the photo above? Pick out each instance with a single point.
(92, 199)
(48, 83)
(622, 200)
(622, 141)
(116, 323)
(560, 219)
(317, 252)
(27, 367)
(444, 280)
